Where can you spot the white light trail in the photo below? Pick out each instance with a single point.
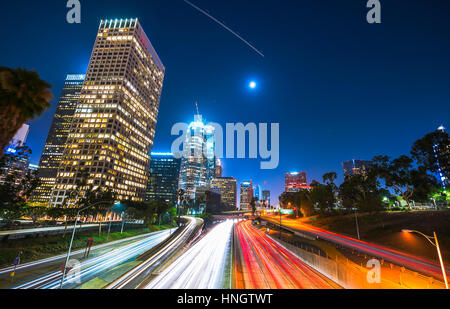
(225, 26)
(202, 266)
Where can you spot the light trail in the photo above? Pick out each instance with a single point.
(144, 269)
(397, 257)
(224, 26)
(202, 266)
(91, 267)
(264, 264)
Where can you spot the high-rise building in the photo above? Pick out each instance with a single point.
(57, 138)
(257, 192)
(199, 160)
(442, 152)
(163, 178)
(356, 167)
(16, 159)
(295, 181)
(228, 189)
(113, 127)
(266, 198)
(246, 196)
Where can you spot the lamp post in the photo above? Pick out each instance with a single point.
(435, 244)
(357, 224)
(73, 236)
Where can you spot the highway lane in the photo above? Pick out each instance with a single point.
(400, 258)
(89, 268)
(203, 266)
(262, 263)
(135, 277)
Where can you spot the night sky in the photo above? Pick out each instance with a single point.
(340, 88)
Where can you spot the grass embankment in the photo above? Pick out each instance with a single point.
(386, 229)
(40, 248)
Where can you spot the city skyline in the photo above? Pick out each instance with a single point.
(342, 113)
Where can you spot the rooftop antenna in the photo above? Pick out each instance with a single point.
(196, 105)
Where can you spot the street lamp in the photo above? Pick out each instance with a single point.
(436, 244)
(73, 236)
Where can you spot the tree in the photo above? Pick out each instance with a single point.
(407, 181)
(35, 213)
(161, 208)
(424, 151)
(23, 95)
(361, 192)
(253, 205)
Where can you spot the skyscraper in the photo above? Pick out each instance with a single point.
(355, 167)
(228, 189)
(57, 138)
(246, 195)
(295, 181)
(266, 198)
(163, 178)
(113, 129)
(257, 192)
(199, 160)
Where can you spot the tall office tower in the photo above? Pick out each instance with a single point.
(266, 198)
(295, 181)
(257, 192)
(441, 149)
(228, 189)
(113, 127)
(16, 159)
(57, 138)
(246, 196)
(356, 167)
(198, 162)
(163, 178)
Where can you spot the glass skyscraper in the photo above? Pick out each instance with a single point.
(198, 165)
(113, 128)
(57, 138)
(163, 178)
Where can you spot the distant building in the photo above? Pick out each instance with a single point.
(442, 152)
(228, 189)
(266, 198)
(16, 160)
(356, 167)
(57, 138)
(257, 192)
(163, 178)
(246, 196)
(295, 181)
(219, 169)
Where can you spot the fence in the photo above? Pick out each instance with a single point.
(350, 275)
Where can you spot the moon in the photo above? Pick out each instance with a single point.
(252, 85)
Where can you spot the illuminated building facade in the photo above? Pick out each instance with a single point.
(356, 167)
(295, 181)
(266, 198)
(113, 127)
(16, 160)
(163, 178)
(198, 165)
(228, 189)
(246, 196)
(57, 138)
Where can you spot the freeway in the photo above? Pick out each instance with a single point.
(400, 258)
(262, 263)
(203, 266)
(85, 270)
(140, 274)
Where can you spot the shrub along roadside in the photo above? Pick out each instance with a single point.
(40, 248)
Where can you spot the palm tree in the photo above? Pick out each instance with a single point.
(23, 95)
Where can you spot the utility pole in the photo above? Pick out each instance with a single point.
(357, 225)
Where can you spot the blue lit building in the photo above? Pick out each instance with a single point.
(163, 178)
